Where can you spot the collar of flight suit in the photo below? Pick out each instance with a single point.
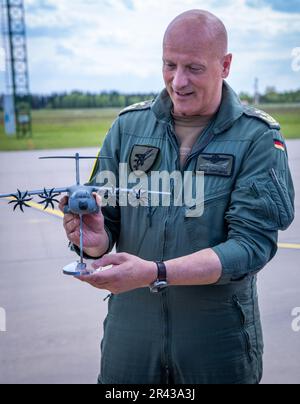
(231, 109)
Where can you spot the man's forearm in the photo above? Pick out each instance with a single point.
(201, 268)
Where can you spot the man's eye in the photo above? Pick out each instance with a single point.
(196, 69)
(169, 66)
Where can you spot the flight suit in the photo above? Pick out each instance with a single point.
(196, 334)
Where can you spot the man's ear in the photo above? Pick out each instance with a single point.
(226, 64)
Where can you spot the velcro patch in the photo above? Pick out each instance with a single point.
(143, 158)
(216, 164)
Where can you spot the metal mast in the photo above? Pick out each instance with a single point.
(256, 92)
(17, 78)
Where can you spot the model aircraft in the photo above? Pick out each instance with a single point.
(81, 202)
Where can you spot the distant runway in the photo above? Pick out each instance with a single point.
(54, 323)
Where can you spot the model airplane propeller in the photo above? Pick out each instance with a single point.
(48, 198)
(81, 202)
(20, 200)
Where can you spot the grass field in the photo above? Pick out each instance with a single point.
(55, 129)
(288, 116)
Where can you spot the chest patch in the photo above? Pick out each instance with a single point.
(143, 158)
(216, 164)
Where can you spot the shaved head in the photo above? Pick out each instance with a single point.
(201, 27)
(196, 62)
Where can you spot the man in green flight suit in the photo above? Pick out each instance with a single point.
(202, 326)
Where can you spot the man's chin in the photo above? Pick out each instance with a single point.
(186, 107)
(181, 111)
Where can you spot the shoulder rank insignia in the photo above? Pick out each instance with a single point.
(143, 158)
(140, 106)
(216, 164)
(262, 115)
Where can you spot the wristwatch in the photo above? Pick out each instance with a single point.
(161, 282)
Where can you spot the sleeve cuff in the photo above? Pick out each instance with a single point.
(111, 240)
(234, 260)
(76, 249)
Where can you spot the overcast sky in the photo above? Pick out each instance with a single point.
(116, 44)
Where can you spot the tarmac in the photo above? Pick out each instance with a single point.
(54, 323)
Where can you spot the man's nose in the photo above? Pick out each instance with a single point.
(180, 80)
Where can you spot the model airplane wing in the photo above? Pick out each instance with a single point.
(134, 191)
(33, 193)
(21, 199)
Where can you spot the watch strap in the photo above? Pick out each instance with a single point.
(161, 271)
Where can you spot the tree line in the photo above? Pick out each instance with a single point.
(272, 96)
(77, 99)
(114, 99)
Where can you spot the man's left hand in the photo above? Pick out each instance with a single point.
(127, 273)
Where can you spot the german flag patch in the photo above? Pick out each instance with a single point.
(279, 145)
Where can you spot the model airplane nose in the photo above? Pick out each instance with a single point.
(83, 205)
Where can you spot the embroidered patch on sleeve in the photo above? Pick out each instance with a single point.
(143, 158)
(279, 145)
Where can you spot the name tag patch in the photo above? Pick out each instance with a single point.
(216, 164)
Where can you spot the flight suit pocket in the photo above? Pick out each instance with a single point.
(283, 202)
(274, 207)
(137, 223)
(208, 229)
(244, 331)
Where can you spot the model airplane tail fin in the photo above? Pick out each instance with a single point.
(77, 157)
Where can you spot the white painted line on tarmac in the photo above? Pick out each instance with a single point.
(37, 206)
(289, 246)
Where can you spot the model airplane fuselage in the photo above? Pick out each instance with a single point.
(81, 200)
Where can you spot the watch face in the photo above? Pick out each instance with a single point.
(158, 286)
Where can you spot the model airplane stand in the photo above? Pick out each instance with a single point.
(76, 269)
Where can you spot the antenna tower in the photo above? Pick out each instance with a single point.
(16, 100)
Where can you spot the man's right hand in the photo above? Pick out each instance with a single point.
(95, 238)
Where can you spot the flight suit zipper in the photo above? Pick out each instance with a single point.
(217, 195)
(166, 337)
(206, 137)
(172, 139)
(164, 295)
